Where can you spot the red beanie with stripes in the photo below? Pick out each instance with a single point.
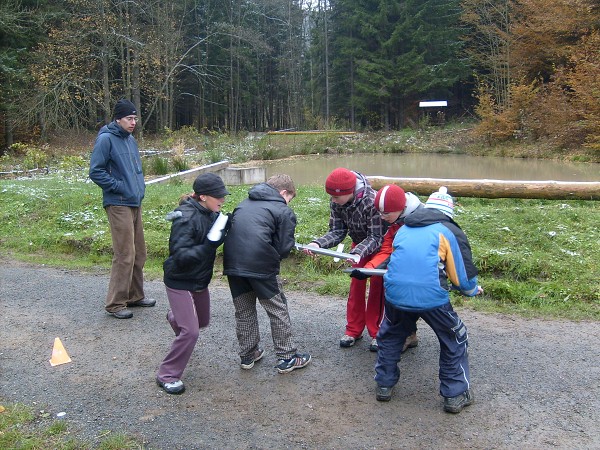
(390, 198)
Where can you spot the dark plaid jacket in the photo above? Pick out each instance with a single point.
(358, 218)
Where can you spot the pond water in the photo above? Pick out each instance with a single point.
(314, 169)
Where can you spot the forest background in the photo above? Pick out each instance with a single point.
(527, 71)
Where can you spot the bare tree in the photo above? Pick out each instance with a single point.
(489, 44)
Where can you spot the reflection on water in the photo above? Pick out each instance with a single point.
(314, 169)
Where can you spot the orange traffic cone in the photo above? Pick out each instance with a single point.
(59, 354)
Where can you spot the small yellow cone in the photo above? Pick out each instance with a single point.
(59, 354)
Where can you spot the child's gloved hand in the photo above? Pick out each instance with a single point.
(359, 275)
(214, 244)
(227, 224)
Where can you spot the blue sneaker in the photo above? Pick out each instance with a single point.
(384, 394)
(455, 405)
(248, 361)
(299, 361)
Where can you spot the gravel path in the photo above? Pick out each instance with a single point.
(536, 383)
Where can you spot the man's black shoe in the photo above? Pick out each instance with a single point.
(147, 302)
(122, 314)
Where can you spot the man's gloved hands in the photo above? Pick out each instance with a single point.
(359, 275)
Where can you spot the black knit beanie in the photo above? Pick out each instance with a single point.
(124, 108)
(210, 184)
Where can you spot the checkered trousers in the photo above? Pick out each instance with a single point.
(246, 316)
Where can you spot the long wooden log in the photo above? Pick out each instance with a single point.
(551, 190)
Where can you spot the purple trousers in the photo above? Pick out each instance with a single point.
(189, 312)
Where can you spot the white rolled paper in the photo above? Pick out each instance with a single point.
(216, 231)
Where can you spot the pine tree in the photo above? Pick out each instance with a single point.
(391, 53)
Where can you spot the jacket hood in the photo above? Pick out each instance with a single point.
(359, 190)
(114, 128)
(187, 205)
(263, 191)
(423, 217)
(412, 203)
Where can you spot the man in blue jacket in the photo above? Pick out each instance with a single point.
(116, 167)
(429, 250)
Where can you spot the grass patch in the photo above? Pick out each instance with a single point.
(536, 257)
(22, 427)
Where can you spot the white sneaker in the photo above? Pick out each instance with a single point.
(348, 341)
(173, 387)
(374, 346)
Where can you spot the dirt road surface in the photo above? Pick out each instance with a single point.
(536, 382)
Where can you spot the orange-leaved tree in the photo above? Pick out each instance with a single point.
(540, 97)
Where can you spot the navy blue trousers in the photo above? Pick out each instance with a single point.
(452, 335)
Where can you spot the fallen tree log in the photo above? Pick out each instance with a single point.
(550, 190)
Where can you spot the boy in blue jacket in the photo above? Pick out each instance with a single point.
(429, 250)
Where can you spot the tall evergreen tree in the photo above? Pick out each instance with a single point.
(398, 51)
(22, 26)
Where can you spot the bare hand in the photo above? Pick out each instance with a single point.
(307, 251)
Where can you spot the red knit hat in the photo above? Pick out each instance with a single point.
(340, 182)
(390, 198)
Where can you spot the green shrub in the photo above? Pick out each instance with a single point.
(158, 166)
(35, 158)
(180, 163)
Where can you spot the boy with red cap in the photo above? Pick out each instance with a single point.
(353, 213)
(394, 205)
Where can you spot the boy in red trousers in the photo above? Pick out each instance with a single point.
(352, 213)
(394, 205)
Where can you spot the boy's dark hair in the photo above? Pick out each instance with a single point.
(282, 182)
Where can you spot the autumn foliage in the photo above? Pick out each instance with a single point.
(552, 70)
(529, 69)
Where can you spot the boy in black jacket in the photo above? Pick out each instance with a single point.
(261, 235)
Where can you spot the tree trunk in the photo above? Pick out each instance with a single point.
(106, 113)
(135, 74)
(8, 130)
(326, 38)
(550, 190)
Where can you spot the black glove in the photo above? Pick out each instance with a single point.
(227, 225)
(359, 275)
(214, 244)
